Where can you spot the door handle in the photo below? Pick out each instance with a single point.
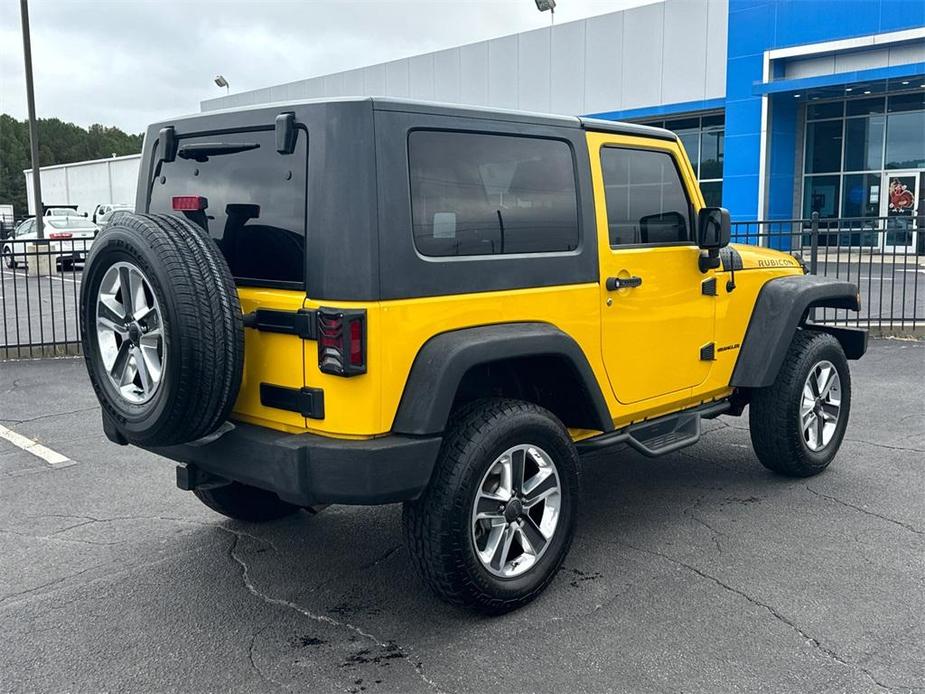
(615, 283)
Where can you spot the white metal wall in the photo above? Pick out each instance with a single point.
(88, 183)
(668, 52)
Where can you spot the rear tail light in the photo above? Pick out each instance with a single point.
(189, 203)
(58, 235)
(342, 341)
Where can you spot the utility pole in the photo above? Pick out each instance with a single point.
(33, 124)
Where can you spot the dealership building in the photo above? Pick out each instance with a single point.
(785, 107)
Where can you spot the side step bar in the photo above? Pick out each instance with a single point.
(661, 435)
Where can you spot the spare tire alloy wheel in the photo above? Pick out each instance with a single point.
(161, 329)
(516, 511)
(129, 332)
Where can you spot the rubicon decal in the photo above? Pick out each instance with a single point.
(776, 262)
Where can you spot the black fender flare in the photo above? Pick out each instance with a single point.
(444, 359)
(780, 309)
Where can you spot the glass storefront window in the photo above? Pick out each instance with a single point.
(820, 194)
(711, 154)
(905, 140)
(851, 143)
(864, 143)
(712, 193)
(827, 109)
(823, 146)
(861, 195)
(702, 137)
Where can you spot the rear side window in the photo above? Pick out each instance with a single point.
(256, 201)
(480, 194)
(646, 201)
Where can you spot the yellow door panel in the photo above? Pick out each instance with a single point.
(270, 358)
(652, 333)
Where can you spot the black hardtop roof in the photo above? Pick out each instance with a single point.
(379, 103)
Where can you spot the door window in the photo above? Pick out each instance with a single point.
(646, 201)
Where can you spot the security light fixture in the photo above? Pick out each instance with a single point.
(544, 5)
(222, 82)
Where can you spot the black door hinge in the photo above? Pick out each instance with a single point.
(309, 402)
(708, 352)
(302, 322)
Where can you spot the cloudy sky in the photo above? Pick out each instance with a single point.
(131, 62)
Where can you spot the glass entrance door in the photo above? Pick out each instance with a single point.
(898, 203)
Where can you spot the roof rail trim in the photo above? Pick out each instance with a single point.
(622, 128)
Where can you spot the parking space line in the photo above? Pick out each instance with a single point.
(51, 457)
(23, 275)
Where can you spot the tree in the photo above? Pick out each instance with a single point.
(60, 143)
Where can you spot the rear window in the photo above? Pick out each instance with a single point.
(256, 201)
(71, 223)
(480, 194)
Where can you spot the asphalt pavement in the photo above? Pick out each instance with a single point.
(697, 572)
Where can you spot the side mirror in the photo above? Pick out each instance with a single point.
(713, 232)
(713, 228)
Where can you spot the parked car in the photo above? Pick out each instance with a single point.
(70, 211)
(445, 308)
(103, 213)
(69, 240)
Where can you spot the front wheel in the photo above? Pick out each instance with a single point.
(9, 258)
(798, 423)
(498, 517)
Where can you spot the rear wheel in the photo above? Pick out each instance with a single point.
(495, 523)
(798, 423)
(245, 503)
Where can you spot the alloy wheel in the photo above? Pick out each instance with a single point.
(516, 511)
(129, 331)
(820, 405)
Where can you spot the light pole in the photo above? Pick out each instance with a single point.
(33, 124)
(222, 82)
(543, 5)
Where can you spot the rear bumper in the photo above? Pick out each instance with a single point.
(311, 470)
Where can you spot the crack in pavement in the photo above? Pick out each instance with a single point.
(887, 446)
(50, 414)
(714, 533)
(89, 520)
(257, 668)
(901, 524)
(363, 567)
(320, 618)
(812, 640)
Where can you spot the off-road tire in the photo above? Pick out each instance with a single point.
(437, 525)
(245, 503)
(202, 325)
(774, 412)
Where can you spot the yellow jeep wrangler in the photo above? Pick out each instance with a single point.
(367, 301)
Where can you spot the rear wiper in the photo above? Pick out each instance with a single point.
(204, 150)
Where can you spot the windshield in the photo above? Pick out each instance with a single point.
(70, 223)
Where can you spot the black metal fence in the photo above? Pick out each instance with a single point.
(885, 257)
(40, 297)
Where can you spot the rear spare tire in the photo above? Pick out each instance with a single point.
(161, 327)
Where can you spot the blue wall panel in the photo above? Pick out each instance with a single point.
(756, 26)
